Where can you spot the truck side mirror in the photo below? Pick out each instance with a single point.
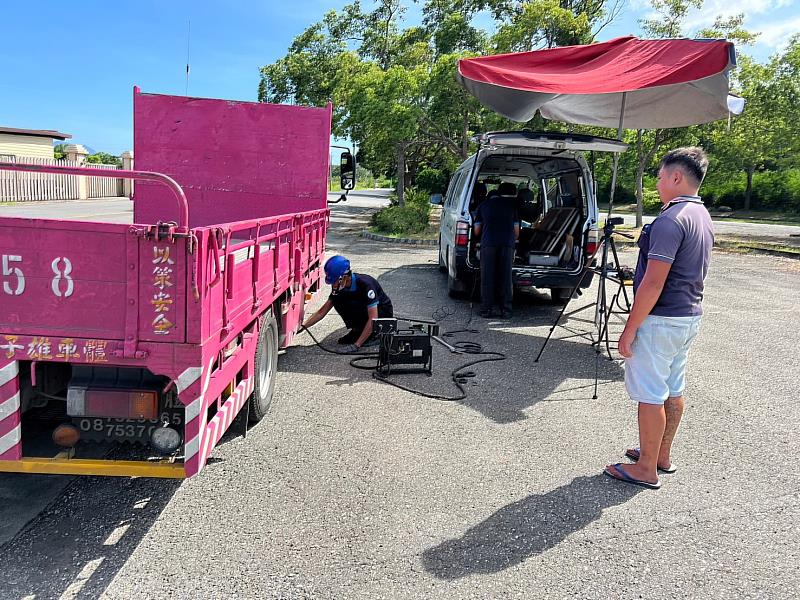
(436, 199)
(347, 171)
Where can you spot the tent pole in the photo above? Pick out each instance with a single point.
(616, 155)
(621, 115)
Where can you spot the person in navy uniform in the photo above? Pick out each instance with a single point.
(496, 222)
(358, 298)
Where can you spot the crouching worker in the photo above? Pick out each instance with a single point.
(359, 299)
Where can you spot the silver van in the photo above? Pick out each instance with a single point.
(548, 177)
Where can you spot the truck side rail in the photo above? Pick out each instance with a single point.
(236, 243)
(183, 205)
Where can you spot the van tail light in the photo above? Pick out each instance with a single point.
(462, 233)
(592, 239)
(119, 404)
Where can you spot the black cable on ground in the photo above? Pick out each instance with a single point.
(338, 352)
(460, 375)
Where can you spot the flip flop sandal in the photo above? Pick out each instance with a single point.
(621, 475)
(633, 454)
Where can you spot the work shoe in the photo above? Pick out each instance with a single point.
(349, 338)
(505, 314)
(485, 313)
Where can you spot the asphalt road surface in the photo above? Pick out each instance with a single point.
(351, 488)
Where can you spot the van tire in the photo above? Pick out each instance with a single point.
(466, 288)
(265, 367)
(560, 296)
(455, 288)
(442, 263)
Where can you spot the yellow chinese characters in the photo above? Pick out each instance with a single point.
(162, 280)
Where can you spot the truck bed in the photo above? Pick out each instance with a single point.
(112, 331)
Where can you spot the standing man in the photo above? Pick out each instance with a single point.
(497, 224)
(674, 254)
(359, 299)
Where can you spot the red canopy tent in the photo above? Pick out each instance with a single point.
(625, 83)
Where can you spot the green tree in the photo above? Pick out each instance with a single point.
(104, 158)
(669, 23)
(394, 89)
(524, 26)
(766, 132)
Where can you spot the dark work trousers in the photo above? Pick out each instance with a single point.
(356, 321)
(496, 262)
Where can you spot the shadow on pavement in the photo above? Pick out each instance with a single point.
(76, 546)
(525, 528)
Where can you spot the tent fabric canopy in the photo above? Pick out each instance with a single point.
(665, 83)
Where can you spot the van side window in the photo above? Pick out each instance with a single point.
(448, 201)
(459, 189)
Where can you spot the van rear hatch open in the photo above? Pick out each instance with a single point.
(550, 141)
(555, 199)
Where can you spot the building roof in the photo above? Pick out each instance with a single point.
(48, 133)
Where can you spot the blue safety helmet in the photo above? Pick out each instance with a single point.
(335, 267)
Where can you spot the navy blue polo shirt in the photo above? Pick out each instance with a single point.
(683, 236)
(497, 216)
(364, 292)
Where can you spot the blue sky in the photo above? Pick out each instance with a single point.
(72, 66)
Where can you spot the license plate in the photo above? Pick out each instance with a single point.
(125, 430)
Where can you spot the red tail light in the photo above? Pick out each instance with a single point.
(462, 233)
(592, 239)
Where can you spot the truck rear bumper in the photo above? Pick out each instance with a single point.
(62, 465)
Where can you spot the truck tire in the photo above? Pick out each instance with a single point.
(560, 296)
(266, 365)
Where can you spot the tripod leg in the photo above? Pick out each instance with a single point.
(601, 311)
(619, 274)
(608, 342)
(600, 306)
(586, 269)
(596, 370)
(606, 316)
(601, 316)
(604, 333)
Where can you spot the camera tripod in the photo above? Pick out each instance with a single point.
(603, 307)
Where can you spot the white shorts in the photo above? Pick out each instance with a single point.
(657, 369)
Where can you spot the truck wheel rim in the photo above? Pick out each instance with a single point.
(265, 366)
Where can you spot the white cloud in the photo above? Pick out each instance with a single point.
(775, 34)
(775, 20)
(727, 8)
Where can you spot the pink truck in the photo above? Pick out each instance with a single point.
(152, 337)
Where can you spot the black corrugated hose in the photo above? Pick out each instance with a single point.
(460, 375)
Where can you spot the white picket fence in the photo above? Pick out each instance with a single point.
(102, 187)
(16, 186)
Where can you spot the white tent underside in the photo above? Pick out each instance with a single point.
(677, 105)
